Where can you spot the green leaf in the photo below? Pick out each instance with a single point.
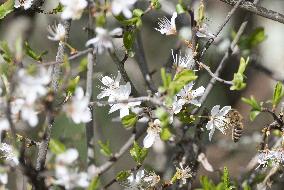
(246, 43)
(138, 154)
(253, 114)
(138, 12)
(6, 8)
(56, 147)
(57, 9)
(180, 9)
(278, 94)
(156, 4)
(238, 80)
(95, 183)
(253, 103)
(123, 175)
(105, 148)
(163, 116)
(31, 53)
(128, 40)
(166, 78)
(206, 183)
(201, 14)
(129, 120)
(6, 52)
(165, 133)
(180, 80)
(226, 177)
(72, 85)
(100, 20)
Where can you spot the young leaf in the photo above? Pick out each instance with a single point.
(129, 120)
(278, 94)
(6, 52)
(179, 9)
(105, 148)
(56, 147)
(238, 80)
(123, 175)
(128, 40)
(156, 4)
(138, 153)
(165, 133)
(95, 183)
(6, 8)
(226, 178)
(31, 53)
(253, 103)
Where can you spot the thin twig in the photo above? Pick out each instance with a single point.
(221, 27)
(259, 10)
(142, 63)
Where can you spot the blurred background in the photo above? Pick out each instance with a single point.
(221, 151)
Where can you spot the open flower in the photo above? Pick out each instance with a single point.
(26, 4)
(152, 179)
(73, 9)
(135, 181)
(9, 153)
(188, 96)
(183, 62)
(122, 6)
(56, 32)
(103, 39)
(78, 108)
(166, 26)
(153, 132)
(122, 94)
(183, 173)
(203, 32)
(33, 85)
(218, 120)
(111, 86)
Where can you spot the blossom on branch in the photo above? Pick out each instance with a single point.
(78, 108)
(183, 173)
(122, 94)
(56, 32)
(183, 62)
(153, 132)
(9, 153)
(26, 4)
(188, 96)
(103, 39)
(166, 26)
(32, 84)
(73, 9)
(111, 86)
(218, 120)
(122, 6)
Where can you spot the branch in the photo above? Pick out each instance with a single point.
(56, 71)
(89, 90)
(261, 11)
(142, 63)
(221, 27)
(213, 75)
(120, 66)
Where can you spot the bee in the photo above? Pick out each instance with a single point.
(236, 124)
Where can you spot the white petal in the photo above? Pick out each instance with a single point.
(215, 110)
(124, 111)
(211, 133)
(149, 140)
(224, 111)
(198, 92)
(173, 23)
(107, 81)
(209, 125)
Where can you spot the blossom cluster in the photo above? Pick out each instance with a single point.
(273, 157)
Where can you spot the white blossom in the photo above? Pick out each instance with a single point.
(153, 132)
(25, 110)
(110, 86)
(152, 179)
(203, 32)
(218, 120)
(67, 157)
(166, 26)
(103, 39)
(73, 9)
(9, 153)
(185, 61)
(122, 94)
(78, 108)
(276, 157)
(183, 173)
(67, 176)
(56, 32)
(188, 96)
(122, 6)
(33, 85)
(26, 4)
(134, 181)
(3, 178)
